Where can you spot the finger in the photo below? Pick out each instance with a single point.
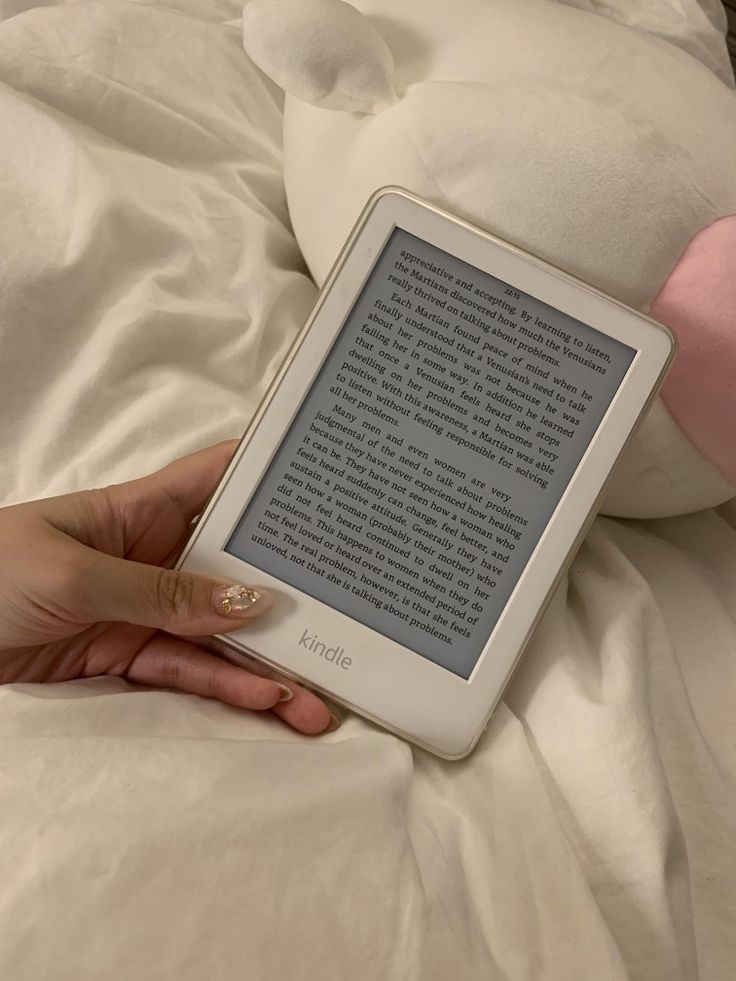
(107, 588)
(168, 662)
(188, 482)
(307, 713)
(148, 519)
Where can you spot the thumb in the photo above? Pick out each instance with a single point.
(178, 602)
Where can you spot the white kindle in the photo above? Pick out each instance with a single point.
(423, 468)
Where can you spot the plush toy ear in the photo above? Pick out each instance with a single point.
(323, 52)
(698, 301)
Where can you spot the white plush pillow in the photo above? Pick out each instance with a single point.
(322, 50)
(601, 147)
(149, 279)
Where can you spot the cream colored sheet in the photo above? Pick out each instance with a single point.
(592, 835)
(149, 284)
(149, 280)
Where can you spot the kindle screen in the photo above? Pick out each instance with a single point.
(431, 451)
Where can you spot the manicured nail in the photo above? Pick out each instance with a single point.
(236, 600)
(286, 693)
(334, 723)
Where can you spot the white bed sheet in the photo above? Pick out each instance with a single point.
(149, 281)
(592, 834)
(149, 285)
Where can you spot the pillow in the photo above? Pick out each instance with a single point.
(603, 149)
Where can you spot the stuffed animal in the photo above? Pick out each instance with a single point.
(606, 150)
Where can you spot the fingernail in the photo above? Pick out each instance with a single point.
(235, 600)
(334, 723)
(286, 693)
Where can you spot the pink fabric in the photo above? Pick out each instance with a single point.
(698, 301)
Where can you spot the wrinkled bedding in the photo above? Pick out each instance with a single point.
(149, 286)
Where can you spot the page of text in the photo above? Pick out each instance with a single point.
(431, 451)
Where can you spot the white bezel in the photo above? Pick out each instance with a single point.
(387, 682)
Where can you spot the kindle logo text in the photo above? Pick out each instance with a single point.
(336, 655)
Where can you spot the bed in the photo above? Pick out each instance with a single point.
(150, 284)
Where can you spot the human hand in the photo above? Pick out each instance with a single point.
(87, 589)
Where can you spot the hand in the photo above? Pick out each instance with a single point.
(86, 589)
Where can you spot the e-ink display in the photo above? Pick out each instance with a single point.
(431, 451)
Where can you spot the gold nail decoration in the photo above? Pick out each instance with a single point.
(238, 599)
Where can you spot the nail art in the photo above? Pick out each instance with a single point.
(236, 599)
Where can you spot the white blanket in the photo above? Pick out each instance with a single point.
(592, 834)
(149, 285)
(149, 281)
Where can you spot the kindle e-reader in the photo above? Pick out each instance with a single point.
(423, 468)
